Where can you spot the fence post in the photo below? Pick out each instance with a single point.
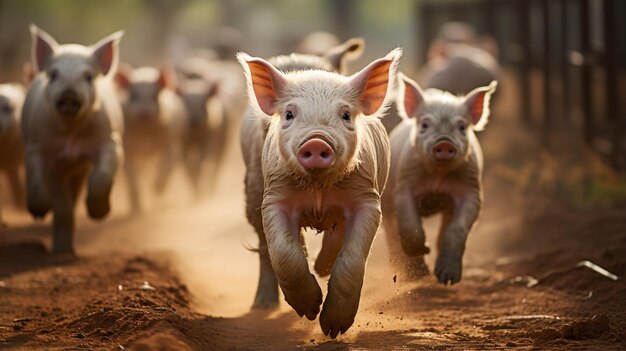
(546, 63)
(526, 62)
(611, 72)
(585, 81)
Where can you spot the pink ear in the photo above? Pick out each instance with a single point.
(213, 90)
(413, 96)
(266, 81)
(28, 73)
(105, 52)
(477, 104)
(43, 47)
(167, 79)
(122, 75)
(372, 81)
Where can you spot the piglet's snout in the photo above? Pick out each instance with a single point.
(316, 154)
(69, 103)
(444, 151)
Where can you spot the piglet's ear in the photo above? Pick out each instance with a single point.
(351, 49)
(43, 47)
(373, 82)
(122, 75)
(28, 73)
(213, 90)
(477, 105)
(265, 82)
(411, 94)
(105, 53)
(167, 79)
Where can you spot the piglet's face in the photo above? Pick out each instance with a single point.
(443, 122)
(71, 70)
(143, 87)
(317, 118)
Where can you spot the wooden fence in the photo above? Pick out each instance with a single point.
(577, 47)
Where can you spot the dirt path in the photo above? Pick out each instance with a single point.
(192, 253)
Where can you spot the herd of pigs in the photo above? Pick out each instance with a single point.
(325, 150)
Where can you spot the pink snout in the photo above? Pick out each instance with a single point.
(444, 151)
(316, 154)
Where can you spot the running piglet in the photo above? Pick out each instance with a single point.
(325, 160)
(436, 167)
(72, 128)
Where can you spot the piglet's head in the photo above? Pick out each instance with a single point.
(317, 118)
(444, 122)
(71, 70)
(141, 89)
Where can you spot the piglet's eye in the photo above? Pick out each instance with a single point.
(425, 125)
(289, 115)
(53, 75)
(462, 128)
(88, 77)
(346, 116)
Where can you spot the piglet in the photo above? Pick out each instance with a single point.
(204, 137)
(252, 135)
(436, 167)
(324, 165)
(72, 129)
(154, 119)
(12, 154)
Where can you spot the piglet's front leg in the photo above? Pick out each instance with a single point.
(289, 262)
(346, 280)
(412, 237)
(101, 180)
(451, 247)
(37, 196)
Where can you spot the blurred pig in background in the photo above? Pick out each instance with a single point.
(154, 120)
(11, 146)
(72, 128)
(459, 61)
(205, 134)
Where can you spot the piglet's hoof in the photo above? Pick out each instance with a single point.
(448, 268)
(307, 300)
(97, 209)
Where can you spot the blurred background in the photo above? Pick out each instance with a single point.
(566, 57)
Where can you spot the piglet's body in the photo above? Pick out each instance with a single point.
(324, 164)
(436, 168)
(12, 154)
(154, 119)
(72, 129)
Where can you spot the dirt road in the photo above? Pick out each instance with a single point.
(179, 277)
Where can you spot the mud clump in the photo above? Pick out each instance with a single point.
(587, 328)
(545, 335)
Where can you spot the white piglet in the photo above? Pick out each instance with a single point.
(325, 162)
(11, 145)
(72, 128)
(436, 167)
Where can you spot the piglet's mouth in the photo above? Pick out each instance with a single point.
(68, 106)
